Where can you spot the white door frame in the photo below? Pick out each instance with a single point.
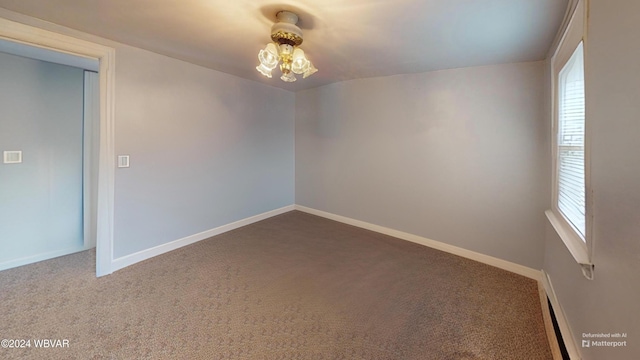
(25, 34)
(90, 156)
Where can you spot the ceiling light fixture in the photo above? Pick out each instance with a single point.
(286, 36)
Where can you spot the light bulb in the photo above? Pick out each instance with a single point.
(309, 71)
(288, 77)
(299, 63)
(269, 56)
(264, 70)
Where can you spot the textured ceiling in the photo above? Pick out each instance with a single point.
(345, 39)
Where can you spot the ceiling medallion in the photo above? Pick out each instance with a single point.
(286, 36)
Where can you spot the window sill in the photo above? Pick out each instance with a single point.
(574, 244)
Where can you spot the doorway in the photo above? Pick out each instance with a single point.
(47, 138)
(63, 46)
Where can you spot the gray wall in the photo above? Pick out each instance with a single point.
(41, 198)
(457, 156)
(206, 148)
(609, 303)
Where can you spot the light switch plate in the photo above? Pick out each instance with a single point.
(12, 157)
(123, 161)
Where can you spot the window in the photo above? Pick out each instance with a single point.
(570, 143)
(570, 211)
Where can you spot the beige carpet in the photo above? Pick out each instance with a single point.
(294, 286)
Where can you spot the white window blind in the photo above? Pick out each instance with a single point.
(571, 134)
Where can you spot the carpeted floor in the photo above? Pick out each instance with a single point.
(294, 286)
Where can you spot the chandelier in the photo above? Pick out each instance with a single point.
(286, 36)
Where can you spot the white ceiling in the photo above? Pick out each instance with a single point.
(345, 39)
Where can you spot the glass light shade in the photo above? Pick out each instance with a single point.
(264, 70)
(310, 70)
(288, 77)
(269, 56)
(300, 63)
(285, 49)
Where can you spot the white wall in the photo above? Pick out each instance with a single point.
(40, 199)
(609, 303)
(457, 156)
(206, 148)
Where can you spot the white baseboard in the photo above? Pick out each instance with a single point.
(563, 324)
(41, 257)
(548, 323)
(485, 259)
(127, 260)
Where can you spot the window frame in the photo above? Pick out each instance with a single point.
(574, 34)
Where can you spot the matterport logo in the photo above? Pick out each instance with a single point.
(613, 340)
